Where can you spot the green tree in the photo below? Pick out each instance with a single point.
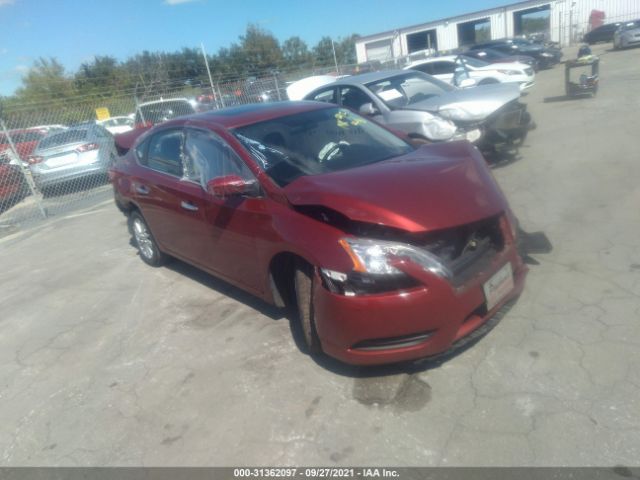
(346, 49)
(46, 80)
(101, 76)
(323, 53)
(261, 50)
(295, 52)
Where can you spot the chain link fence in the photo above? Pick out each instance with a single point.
(55, 152)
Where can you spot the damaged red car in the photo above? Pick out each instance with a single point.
(389, 252)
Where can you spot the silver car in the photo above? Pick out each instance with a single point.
(79, 152)
(426, 108)
(627, 35)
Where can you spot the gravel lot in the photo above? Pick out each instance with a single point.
(105, 361)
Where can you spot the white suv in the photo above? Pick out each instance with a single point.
(463, 71)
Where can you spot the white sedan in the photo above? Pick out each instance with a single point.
(117, 124)
(463, 71)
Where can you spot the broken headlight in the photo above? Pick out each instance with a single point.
(378, 256)
(373, 269)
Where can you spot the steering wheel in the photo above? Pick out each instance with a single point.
(331, 150)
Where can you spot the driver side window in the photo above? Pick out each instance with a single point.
(207, 156)
(353, 98)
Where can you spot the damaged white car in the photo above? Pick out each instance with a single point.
(425, 108)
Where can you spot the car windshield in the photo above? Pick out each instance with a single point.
(630, 25)
(68, 136)
(408, 89)
(316, 142)
(163, 111)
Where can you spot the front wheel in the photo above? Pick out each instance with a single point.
(146, 244)
(304, 280)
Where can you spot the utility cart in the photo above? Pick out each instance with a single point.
(585, 71)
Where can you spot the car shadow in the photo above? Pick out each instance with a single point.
(497, 160)
(324, 361)
(225, 288)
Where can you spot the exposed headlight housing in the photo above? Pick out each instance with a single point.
(439, 129)
(546, 54)
(377, 257)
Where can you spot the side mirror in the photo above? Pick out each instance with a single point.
(231, 185)
(368, 109)
(467, 82)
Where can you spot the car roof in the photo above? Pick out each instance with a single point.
(364, 78)
(242, 115)
(163, 100)
(446, 58)
(24, 130)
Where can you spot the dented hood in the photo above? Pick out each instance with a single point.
(437, 186)
(477, 102)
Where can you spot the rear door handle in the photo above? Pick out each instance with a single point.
(189, 206)
(142, 189)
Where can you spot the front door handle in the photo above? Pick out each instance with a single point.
(189, 206)
(142, 189)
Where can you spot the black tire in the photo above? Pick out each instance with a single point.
(303, 283)
(145, 243)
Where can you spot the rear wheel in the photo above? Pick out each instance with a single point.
(146, 244)
(303, 281)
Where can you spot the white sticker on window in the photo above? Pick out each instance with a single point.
(388, 95)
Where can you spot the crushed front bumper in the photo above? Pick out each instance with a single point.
(409, 325)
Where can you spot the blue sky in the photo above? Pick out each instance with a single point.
(74, 31)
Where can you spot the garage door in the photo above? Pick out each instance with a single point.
(380, 51)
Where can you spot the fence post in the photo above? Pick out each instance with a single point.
(206, 63)
(275, 80)
(26, 173)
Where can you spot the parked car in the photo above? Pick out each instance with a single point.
(299, 89)
(158, 111)
(24, 140)
(603, 33)
(627, 35)
(118, 124)
(78, 152)
(390, 253)
(51, 128)
(424, 107)
(12, 184)
(547, 56)
(482, 73)
(490, 55)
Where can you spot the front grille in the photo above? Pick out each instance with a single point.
(468, 249)
(508, 116)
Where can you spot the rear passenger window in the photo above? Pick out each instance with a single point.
(165, 152)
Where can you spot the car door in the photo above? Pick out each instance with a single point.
(172, 204)
(234, 225)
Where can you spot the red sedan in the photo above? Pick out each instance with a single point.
(389, 252)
